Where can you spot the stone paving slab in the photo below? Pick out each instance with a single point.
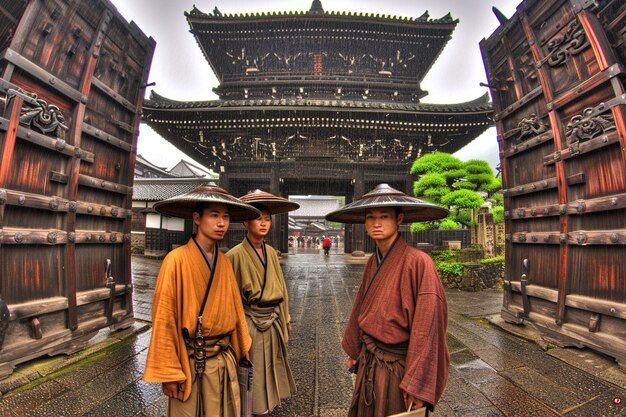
(591, 362)
(512, 400)
(493, 373)
(460, 397)
(546, 390)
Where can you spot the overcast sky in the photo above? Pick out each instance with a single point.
(181, 72)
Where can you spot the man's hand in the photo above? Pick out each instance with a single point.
(351, 362)
(416, 403)
(174, 390)
(289, 329)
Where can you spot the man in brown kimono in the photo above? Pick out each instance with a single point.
(199, 330)
(265, 302)
(396, 333)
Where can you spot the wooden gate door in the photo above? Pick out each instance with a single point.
(73, 80)
(557, 74)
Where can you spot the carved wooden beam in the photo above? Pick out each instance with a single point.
(14, 236)
(11, 236)
(528, 144)
(48, 142)
(101, 184)
(41, 202)
(597, 237)
(532, 187)
(38, 201)
(112, 94)
(606, 203)
(107, 138)
(53, 304)
(44, 76)
(605, 307)
(518, 104)
(574, 238)
(582, 148)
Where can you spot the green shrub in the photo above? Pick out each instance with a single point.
(451, 273)
(445, 255)
(454, 269)
(448, 224)
(499, 258)
(498, 213)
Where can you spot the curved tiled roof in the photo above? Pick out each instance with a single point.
(157, 189)
(481, 103)
(424, 18)
(316, 207)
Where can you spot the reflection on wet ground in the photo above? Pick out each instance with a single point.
(493, 373)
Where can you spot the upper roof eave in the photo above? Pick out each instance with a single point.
(424, 19)
(158, 102)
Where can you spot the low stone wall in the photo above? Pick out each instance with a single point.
(476, 277)
(137, 243)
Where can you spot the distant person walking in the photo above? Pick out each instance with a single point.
(199, 329)
(396, 333)
(265, 302)
(326, 245)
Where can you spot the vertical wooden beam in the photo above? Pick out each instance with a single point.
(348, 228)
(619, 115)
(128, 201)
(8, 147)
(30, 16)
(276, 235)
(223, 180)
(6, 162)
(74, 171)
(546, 85)
(358, 230)
(597, 38)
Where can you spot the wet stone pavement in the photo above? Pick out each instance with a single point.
(493, 372)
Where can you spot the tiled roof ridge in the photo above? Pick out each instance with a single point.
(206, 170)
(479, 103)
(424, 18)
(173, 180)
(141, 159)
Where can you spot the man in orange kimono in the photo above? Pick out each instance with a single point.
(396, 333)
(199, 329)
(265, 302)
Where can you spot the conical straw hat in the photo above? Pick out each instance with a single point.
(184, 205)
(414, 209)
(275, 204)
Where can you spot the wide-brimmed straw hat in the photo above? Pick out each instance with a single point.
(414, 209)
(275, 204)
(184, 205)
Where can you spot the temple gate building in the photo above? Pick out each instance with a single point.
(317, 102)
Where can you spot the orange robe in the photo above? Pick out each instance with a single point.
(179, 291)
(406, 303)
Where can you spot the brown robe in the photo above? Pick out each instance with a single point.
(406, 304)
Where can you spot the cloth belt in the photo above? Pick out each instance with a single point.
(376, 353)
(200, 349)
(262, 317)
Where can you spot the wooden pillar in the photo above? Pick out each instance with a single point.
(347, 228)
(280, 225)
(358, 230)
(223, 181)
(408, 184)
